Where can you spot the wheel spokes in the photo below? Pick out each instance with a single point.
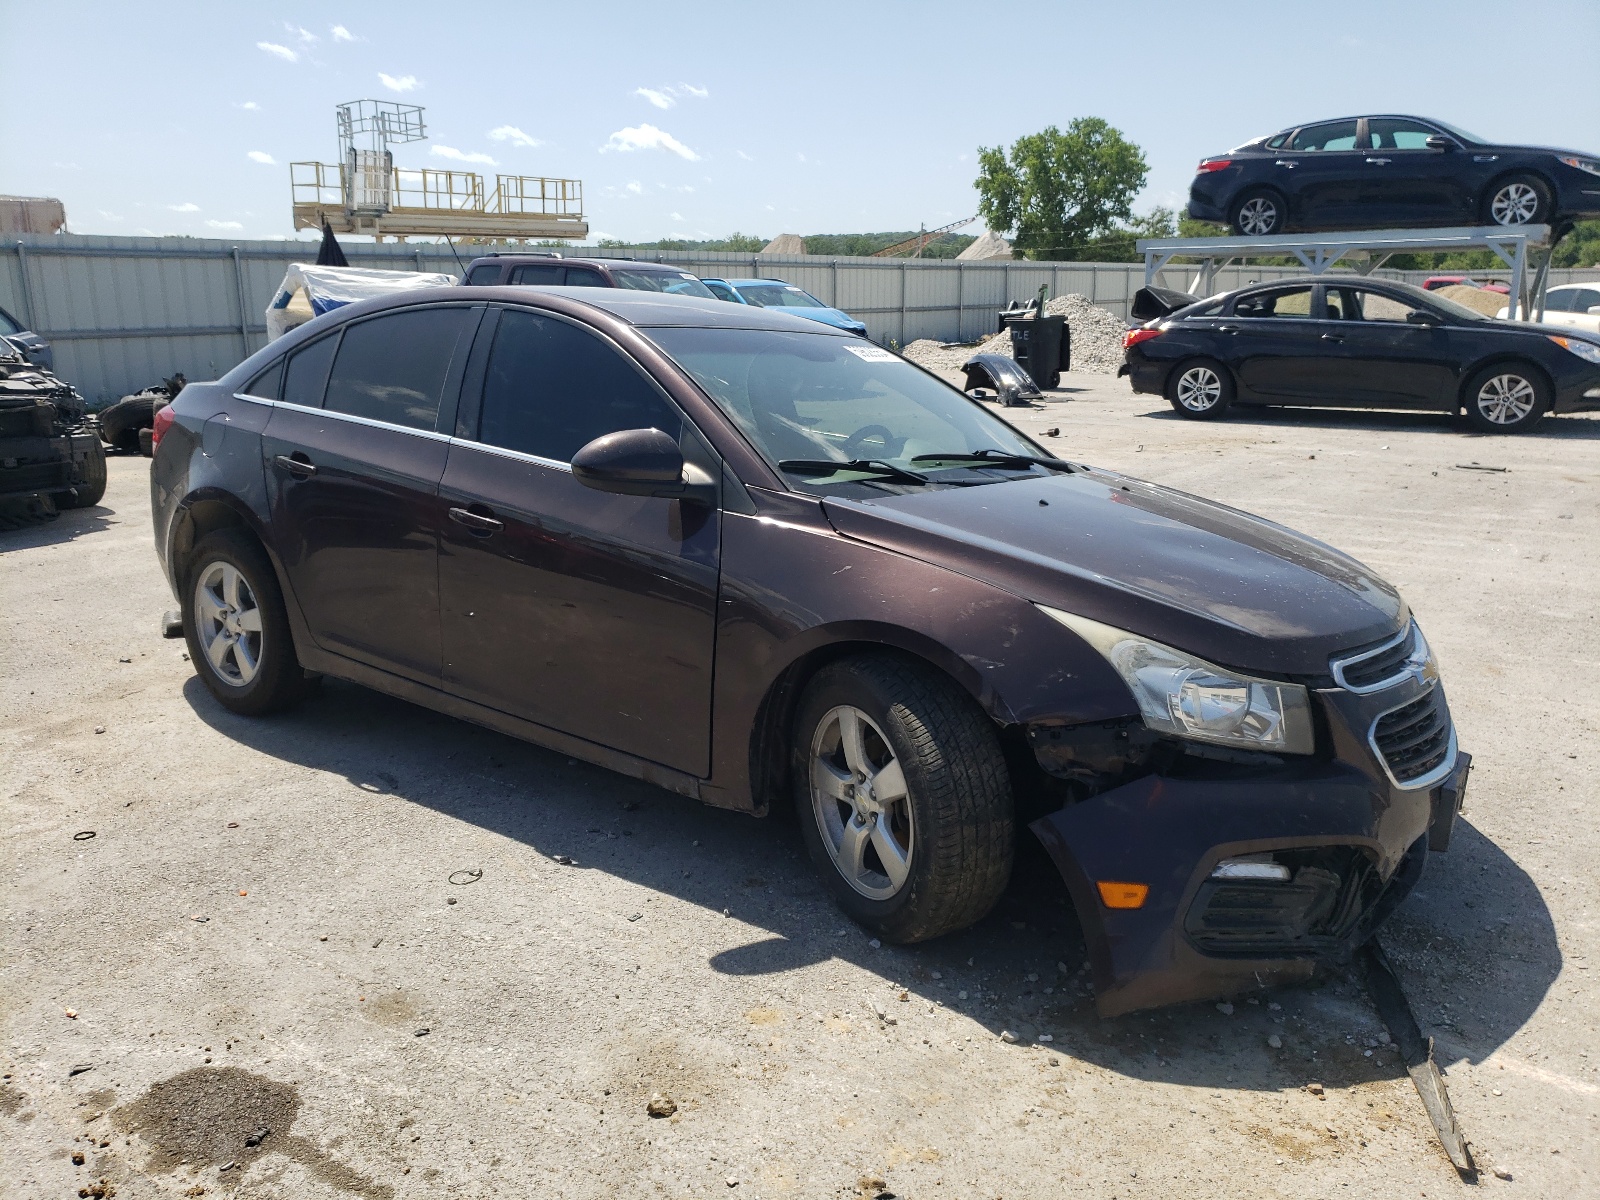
(230, 586)
(250, 620)
(889, 784)
(828, 780)
(891, 854)
(855, 753)
(217, 652)
(852, 850)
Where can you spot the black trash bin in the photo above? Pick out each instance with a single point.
(1042, 346)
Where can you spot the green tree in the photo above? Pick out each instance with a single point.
(1060, 190)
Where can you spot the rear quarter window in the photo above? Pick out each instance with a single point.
(306, 377)
(484, 274)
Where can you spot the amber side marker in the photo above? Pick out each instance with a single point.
(1123, 895)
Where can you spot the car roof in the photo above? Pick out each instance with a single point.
(644, 309)
(1357, 117)
(563, 260)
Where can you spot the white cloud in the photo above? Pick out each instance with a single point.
(659, 99)
(699, 93)
(250, 106)
(666, 97)
(224, 224)
(184, 207)
(341, 34)
(745, 156)
(404, 83)
(636, 188)
(261, 156)
(110, 216)
(282, 52)
(451, 152)
(307, 38)
(801, 157)
(648, 137)
(510, 133)
(676, 216)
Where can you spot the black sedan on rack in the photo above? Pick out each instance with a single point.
(1353, 342)
(1390, 172)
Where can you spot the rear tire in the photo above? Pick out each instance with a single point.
(120, 424)
(1516, 200)
(1258, 212)
(1506, 398)
(903, 795)
(1200, 389)
(237, 628)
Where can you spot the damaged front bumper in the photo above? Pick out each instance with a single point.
(1244, 876)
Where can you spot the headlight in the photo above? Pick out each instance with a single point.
(1588, 351)
(1191, 698)
(1583, 164)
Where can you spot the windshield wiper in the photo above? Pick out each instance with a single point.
(998, 458)
(872, 466)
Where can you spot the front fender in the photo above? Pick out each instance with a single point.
(793, 586)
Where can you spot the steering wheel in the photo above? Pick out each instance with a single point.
(857, 445)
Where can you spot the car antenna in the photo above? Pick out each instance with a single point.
(452, 246)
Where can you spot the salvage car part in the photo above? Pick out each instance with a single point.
(1012, 386)
(50, 451)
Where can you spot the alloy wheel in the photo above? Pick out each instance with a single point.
(861, 804)
(228, 621)
(1258, 216)
(1506, 399)
(1514, 204)
(1199, 389)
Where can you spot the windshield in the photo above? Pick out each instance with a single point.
(679, 283)
(1461, 133)
(807, 401)
(778, 295)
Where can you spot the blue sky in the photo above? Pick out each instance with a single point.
(695, 120)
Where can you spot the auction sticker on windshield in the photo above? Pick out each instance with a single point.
(871, 353)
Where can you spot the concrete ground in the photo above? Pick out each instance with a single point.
(332, 952)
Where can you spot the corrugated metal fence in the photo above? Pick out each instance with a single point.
(126, 312)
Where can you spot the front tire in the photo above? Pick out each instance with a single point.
(1200, 389)
(1258, 213)
(1506, 398)
(903, 796)
(1515, 201)
(237, 628)
(91, 486)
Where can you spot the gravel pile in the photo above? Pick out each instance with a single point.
(1096, 340)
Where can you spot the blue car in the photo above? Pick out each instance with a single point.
(775, 293)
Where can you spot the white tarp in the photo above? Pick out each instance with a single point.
(309, 291)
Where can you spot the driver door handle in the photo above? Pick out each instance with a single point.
(1333, 337)
(1286, 162)
(1227, 329)
(1378, 161)
(296, 464)
(481, 524)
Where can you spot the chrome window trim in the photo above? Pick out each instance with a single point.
(335, 415)
(514, 455)
(1339, 665)
(1434, 777)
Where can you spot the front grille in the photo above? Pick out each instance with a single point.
(1364, 672)
(1414, 739)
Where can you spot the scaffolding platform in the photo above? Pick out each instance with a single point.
(1366, 251)
(424, 202)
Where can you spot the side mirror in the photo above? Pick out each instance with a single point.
(1418, 317)
(642, 462)
(1438, 141)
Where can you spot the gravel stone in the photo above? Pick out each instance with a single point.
(1096, 340)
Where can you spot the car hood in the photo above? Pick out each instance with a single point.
(1233, 588)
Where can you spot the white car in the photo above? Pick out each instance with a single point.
(1576, 305)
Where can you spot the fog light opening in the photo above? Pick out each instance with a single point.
(1123, 895)
(1250, 868)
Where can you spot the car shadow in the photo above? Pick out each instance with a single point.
(1565, 426)
(1022, 970)
(22, 528)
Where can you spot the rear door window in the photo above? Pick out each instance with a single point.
(266, 385)
(484, 273)
(537, 273)
(1284, 302)
(552, 387)
(306, 378)
(1561, 300)
(392, 368)
(1333, 135)
(585, 277)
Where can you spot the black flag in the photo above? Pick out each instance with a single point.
(330, 253)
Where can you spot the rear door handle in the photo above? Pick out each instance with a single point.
(1286, 162)
(1379, 162)
(1333, 337)
(481, 524)
(296, 464)
(1227, 329)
